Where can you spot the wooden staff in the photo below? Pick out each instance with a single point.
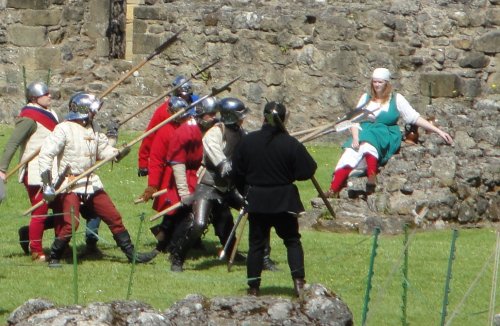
(23, 162)
(237, 242)
(165, 211)
(87, 172)
(149, 104)
(157, 51)
(154, 195)
(305, 131)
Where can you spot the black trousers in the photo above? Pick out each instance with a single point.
(287, 228)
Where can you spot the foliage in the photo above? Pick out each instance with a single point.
(339, 261)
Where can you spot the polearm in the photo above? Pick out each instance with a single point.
(237, 243)
(23, 162)
(87, 172)
(154, 195)
(222, 254)
(157, 51)
(149, 104)
(313, 178)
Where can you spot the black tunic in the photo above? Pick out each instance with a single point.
(266, 163)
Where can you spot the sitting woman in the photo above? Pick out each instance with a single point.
(374, 142)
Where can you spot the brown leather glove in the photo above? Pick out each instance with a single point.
(148, 193)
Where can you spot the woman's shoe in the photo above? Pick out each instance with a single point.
(331, 194)
(38, 257)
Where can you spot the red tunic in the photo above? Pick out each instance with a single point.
(185, 147)
(157, 176)
(161, 113)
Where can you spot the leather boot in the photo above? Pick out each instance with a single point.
(371, 184)
(24, 239)
(125, 243)
(298, 286)
(91, 249)
(56, 252)
(176, 263)
(253, 291)
(267, 263)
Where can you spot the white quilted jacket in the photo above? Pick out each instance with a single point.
(79, 147)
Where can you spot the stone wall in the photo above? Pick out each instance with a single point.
(316, 56)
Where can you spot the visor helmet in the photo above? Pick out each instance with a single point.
(185, 89)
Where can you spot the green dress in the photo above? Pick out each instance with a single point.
(383, 133)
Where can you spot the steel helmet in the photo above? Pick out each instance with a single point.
(208, 105)
(232, 110)
(81, 105)
(36, 89)
(185, 89)
(176, 104)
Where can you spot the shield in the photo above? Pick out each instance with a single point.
(2, 190)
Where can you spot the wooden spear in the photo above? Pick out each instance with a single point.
(157, 51)
(149, 104)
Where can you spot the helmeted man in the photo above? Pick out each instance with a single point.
(78, 147)
(266, 163)
(161, 113)
(180, 159)
(33, 125)
(215, 193)
(158, 179)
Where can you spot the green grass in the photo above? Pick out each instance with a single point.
(339, 261)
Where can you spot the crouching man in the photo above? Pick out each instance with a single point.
(77, 147)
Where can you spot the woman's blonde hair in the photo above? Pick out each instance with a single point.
(386, 94)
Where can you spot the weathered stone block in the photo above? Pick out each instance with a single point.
(41, 58)
(470, 87)
(493, 16)
(98, 21)
(29, 36)
(153, 13)
(102, 47)
(41, 17)
(28, 4)
(73, 14)
(145, 43)
(441, 84)
(474, 60)
(489, 42)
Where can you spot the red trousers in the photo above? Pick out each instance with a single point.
(99, 204)
(38, 216)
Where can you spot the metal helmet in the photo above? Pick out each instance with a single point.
(208, 105)
(176, 104)
(36, 90)
(81, 105)
(205, 112)
(232, 110)
(186, 88)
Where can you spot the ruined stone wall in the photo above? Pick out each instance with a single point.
(316, 56)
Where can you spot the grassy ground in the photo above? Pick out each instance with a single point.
(339, 261)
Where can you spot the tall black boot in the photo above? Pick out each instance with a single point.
(24, 238)
(56, 252)
(125, 243)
